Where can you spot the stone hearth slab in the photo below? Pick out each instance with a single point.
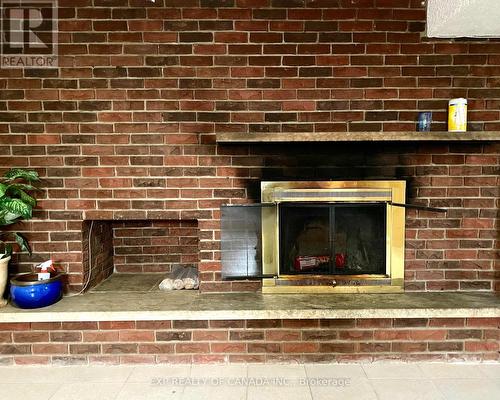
(130, 283)
(191, 305)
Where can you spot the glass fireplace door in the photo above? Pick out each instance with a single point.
(332, 238)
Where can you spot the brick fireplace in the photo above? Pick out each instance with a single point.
(124, 136)
(318, 237)
(455, 251)
(124, 129)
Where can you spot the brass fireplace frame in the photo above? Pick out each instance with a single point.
(369, 191)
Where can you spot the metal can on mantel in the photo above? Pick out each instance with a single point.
(424, 121)
(457, 115)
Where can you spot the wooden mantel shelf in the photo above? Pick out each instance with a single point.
(490, 136)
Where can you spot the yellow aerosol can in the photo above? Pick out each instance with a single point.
(457, 115)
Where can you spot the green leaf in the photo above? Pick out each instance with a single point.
(22, 242)
(7, 250)
(3, 220)
(23, 186)
(3, 189)
(8, 218)
(28, 175)
(16, 206)
(23, 196)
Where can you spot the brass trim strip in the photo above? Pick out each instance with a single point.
(331, 195)
(330, 277)
(330, 289)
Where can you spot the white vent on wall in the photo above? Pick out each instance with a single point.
(463, 18)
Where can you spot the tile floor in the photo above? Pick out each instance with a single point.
(378, 381)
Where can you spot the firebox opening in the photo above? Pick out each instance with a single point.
(332, 239)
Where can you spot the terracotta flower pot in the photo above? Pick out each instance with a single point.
(4, 271)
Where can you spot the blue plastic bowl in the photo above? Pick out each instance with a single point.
(28, 292)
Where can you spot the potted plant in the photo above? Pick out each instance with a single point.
(16, 204)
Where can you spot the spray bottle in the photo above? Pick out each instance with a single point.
(44, 270)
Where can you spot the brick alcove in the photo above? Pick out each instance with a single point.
(137, 246)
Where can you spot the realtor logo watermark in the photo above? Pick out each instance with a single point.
(28, 33)
(250, 381)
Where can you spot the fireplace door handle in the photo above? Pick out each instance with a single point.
(418, 207)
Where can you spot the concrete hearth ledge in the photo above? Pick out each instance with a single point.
(185, 305)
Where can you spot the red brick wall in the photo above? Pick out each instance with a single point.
(344, 340)
(154, 246)
(125, 127)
